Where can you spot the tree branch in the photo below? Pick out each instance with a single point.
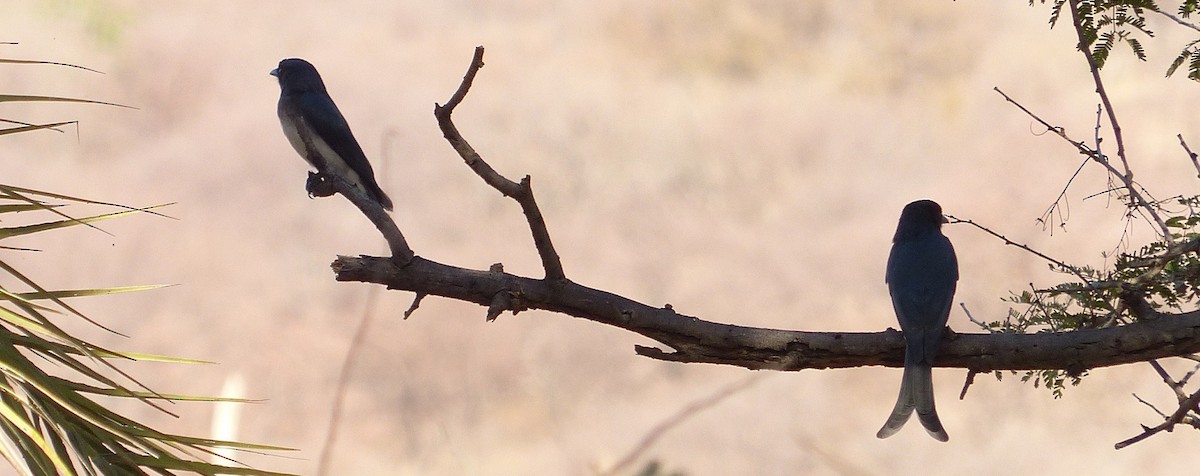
(1174, 18)
(1135, 198)
(690, 339)
(1187, 405)
(1191, 155)
(1061, 265)
(321, 184)
(522, 192)
(675, 420)
(694, 340)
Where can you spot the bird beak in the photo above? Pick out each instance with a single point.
(275, 72)
(945, 220)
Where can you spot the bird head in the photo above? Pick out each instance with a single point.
(918, 218)
(296, 76)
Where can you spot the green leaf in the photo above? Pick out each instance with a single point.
(1183, 56)
(24, 98)
(10, 232)
(1136, 46)
(33, 127)
(84, 292)
(17, 61)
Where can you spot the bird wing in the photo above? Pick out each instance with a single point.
(922, 276)
(325, 120)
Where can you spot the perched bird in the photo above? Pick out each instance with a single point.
(317, 130)
(922, 273)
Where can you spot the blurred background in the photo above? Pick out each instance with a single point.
(744, 162)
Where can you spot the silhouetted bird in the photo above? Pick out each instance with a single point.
(922, 273)
(317, 130)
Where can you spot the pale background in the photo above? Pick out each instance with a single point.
(744, 162)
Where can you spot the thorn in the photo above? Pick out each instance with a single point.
(413, 307)
(500, 302)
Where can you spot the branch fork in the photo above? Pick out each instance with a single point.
(690, 339)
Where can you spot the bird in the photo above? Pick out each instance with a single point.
(318, 131)
(922, 274)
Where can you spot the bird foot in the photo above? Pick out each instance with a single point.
(318, 185)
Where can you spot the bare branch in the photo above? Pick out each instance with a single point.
(522, 192)
(1188, 405)
(679, 417)
(1059, 264)
(1188, 376)
(690, 339)
(1062, 133)
(415, 304)
(695, 340)
(324, 185)
(339, 397)
(1191, 155)
(1098, 158)
(981, 324)
(967, 384)
(1174, 18)
(1176, 387)
(1151, 405)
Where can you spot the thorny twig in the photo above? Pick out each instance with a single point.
(1009, 242)
(1135, 198)
(1094, 156)
(1175, 18)
(1186, 406)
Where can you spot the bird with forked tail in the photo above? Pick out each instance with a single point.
(922, 274)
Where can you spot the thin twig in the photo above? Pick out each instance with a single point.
(1188, 405)
(1180, 395)
(521, 192)
(1009, 242)
(1175, 18)
(1048, 217)
(339, 396)
(688, 411)
(1151, 405)
(413, 307)
(967, 384)
(691, 339)
(971, 318)
(1135, 199)
(1191, 155)
(1188, 376)
(1094, 155)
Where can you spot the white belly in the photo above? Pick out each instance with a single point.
(318, 153)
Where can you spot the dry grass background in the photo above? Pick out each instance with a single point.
(744, 162)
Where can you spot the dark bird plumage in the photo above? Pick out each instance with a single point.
(317, 130)
(922, 273)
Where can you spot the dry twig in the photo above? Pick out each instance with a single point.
(679, 417)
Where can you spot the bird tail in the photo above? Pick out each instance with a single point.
(926, 411)
(916, 393)
(377, 193)
(905, 404)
